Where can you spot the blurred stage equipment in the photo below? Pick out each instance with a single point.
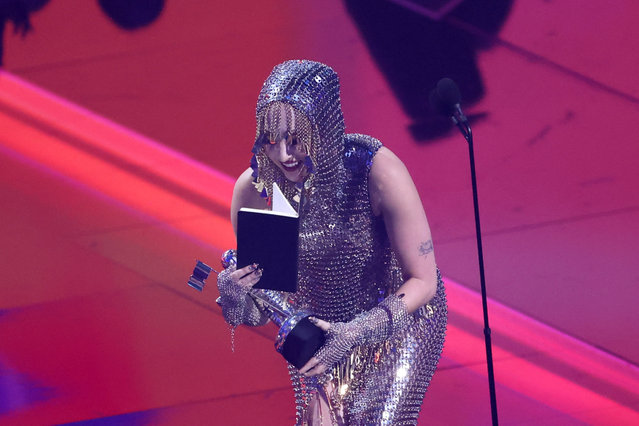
(434, 9)
(416, 42)
(132, 14)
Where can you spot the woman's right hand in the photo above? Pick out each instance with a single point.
(234, 286)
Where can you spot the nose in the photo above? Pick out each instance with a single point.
(284, 150)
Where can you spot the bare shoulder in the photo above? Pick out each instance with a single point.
(387, 164)
(389, 181)
(245, 195)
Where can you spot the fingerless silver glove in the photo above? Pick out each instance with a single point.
(238, 307)
(373, 326)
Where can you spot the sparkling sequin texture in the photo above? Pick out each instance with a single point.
(237, 306)
(346, 264)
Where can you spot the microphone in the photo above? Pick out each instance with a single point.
(445, 99)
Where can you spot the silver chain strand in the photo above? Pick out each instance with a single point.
(238, 307)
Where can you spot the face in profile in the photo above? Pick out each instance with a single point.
(288, 135)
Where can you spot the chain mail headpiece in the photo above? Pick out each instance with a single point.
(310, 93)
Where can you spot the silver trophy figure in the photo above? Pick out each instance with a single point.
(298, 338)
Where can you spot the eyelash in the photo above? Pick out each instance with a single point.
(293, 138)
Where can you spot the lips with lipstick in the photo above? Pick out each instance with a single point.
(292, 166)
(295, 170)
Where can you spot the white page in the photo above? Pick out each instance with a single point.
(280, 203)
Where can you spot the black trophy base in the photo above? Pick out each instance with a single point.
(302, 342)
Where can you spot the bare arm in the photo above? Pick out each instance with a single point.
(245, 195)
(394, 196)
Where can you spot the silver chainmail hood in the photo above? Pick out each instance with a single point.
(346, 263)
(312, 89)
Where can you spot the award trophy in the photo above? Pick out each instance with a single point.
(298, 338)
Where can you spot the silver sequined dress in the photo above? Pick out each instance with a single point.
(346, 263)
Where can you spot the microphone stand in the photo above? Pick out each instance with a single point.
(460, 120)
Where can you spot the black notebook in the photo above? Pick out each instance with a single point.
(269, 238)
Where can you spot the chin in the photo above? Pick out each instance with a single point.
(296, 177)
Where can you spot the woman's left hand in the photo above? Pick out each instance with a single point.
(314, 367)
(340, 339)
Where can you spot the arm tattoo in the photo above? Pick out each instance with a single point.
(425, 247)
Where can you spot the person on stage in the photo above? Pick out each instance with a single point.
(366, 264)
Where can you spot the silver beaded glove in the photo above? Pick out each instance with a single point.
(373, 326)
(238, 307)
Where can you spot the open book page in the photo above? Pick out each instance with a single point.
(280, 203)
